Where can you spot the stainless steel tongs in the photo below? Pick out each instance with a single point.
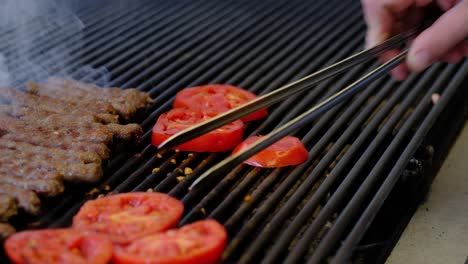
(284, 92)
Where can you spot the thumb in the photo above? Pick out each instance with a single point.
(447, 32)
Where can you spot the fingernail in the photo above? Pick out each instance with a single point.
(419, 61)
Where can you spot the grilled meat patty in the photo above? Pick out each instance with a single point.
(43, 129)
(57, 142)
(122, 132)
(45, 187)
(58, 131)
(71, 168)
(125, 101)
(12, 96)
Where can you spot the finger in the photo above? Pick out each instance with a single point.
(446, 4)
(465, 48)
(401, 71)
(455, 55)
(448, 31)
(421, 3)
(379, 22)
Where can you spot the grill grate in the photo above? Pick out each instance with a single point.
(306, 213)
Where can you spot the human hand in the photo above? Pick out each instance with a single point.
(443, 41)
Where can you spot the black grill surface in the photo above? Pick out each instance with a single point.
(366, 155)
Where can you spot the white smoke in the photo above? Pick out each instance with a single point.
(4, 75)
(32, 28)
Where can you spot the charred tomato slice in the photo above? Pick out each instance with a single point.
(199, 242)
(129, 216)
(287, 151)
(224, 138)
(217, 97)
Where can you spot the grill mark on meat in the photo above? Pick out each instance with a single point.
(121, 132)
(42, 187)
(27, 199)
(44, 129)
(59, 142)
(15, 97)
(126, 101)
(8, 207)
(5, 231)
(71, 169)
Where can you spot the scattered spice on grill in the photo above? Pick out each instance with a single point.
(190, 155)
(180, 178)
(155, 170)
(247, 198)
(150, 190)
(159, 156)
(435, 97)
(179, 170)
(93, 191)
(203, 210)
(107, 187)
(188, 171)
(173, 161)
(101, 195)
(34, 224)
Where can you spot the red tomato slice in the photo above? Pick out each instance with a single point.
(222, 139)
(58, 246)
(129, 216)
(287, 151)
(200, 242)
(217, 97)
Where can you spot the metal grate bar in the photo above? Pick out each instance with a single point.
(356, 234)
(333, 203)
(400, 140)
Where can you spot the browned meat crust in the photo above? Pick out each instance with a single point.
(71, 168)
(27, 200)
(65, 155)
(8, 207)
(5, 231)
(58, 131)
(59, 142)
(44, 103)
(122, 132)
(72, 101)
(44, 130)
(45, 187)
(126, 101)
(28, 172)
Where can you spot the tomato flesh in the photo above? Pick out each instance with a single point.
(217, 97)
(222, 139)
(288, 151)
(199, 242)
(58, 246)
(129, 216)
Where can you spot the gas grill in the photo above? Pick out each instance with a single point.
(372, 158)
